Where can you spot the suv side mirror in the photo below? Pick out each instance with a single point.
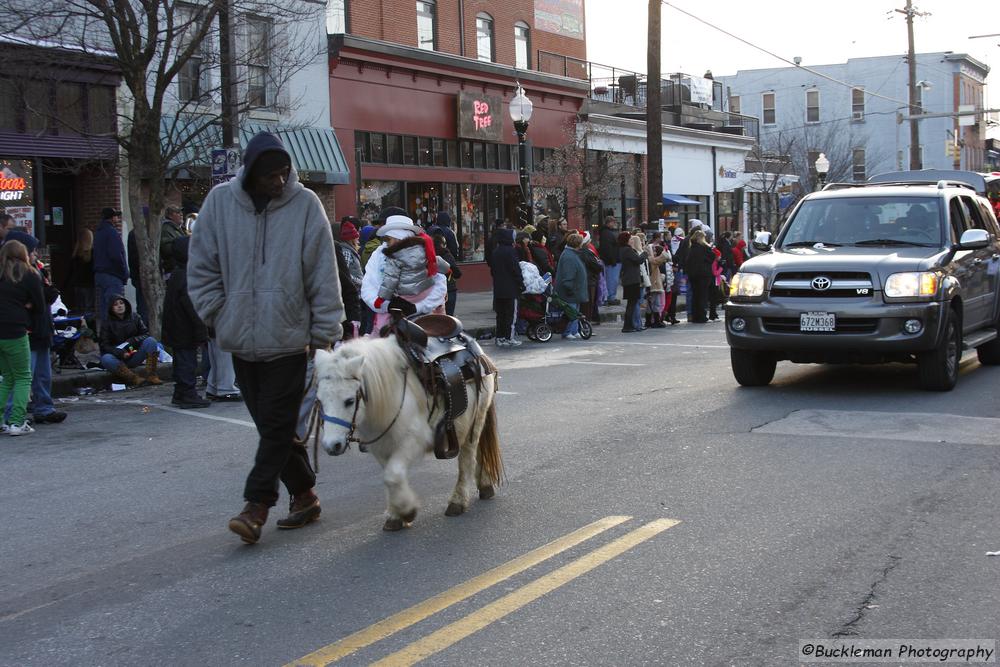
(974, 239)
(762, 241)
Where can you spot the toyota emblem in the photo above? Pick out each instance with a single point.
(820, 283)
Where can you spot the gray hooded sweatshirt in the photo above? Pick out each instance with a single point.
(266, 282)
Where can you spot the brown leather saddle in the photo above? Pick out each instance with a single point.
(445, 359)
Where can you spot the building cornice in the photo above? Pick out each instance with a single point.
(443, 64)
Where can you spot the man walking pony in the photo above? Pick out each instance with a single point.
(263, 273)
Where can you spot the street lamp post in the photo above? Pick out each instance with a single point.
(822, 169)
(520, 108)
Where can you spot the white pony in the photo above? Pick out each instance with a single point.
(367, 389)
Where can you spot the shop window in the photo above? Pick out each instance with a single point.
(394, 149)
(101, 111)
(452, 148)
(537, 157)
(409, 150)
(491, 156)
(472, 222)
(361, 141)
(378, 152)
(425, 156)
(467, 155)
(377, 195)
(504, 151)
(478, 159)
(439, 157)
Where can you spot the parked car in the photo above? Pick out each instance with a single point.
(875, 273)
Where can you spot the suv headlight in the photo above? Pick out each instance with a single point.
(746, 285)
(914, 284)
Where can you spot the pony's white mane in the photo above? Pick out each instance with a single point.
(381, 375)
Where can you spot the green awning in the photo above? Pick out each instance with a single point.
(315, 151)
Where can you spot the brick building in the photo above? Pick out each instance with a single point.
(58, 155)
(413, 81)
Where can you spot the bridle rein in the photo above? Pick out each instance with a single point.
(352, 425)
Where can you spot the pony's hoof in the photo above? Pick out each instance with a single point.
(454, 509)
(409, 516)
(486, 492)
(392, 525)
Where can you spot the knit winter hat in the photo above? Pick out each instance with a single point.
(348, 232)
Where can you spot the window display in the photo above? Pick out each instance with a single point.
(472, 223)
(376, 195)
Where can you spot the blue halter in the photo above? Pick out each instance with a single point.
(334, 420)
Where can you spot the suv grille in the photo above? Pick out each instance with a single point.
(857, 325)
(839, 284)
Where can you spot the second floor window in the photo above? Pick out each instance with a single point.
(812, 106)
(767, 102)
(336, 17)
(484, 37)
(259, 93)
(192, 80)
(734, 104)
(522, 46)
(426, 19)
(857, 104)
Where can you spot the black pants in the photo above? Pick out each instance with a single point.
(699, 289)
(675, 293)
(505, 316)
(273, 392)
(185, 362)
(449, 307)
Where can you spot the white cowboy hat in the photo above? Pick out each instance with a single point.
(398, 226)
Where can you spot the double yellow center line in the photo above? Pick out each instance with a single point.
(455, 632)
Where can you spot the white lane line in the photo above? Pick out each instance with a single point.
(166, 408)
(603, 363)
(629, 342)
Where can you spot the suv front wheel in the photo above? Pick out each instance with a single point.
(938, 368)
(752, 369)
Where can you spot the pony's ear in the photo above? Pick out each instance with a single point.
(353, 366)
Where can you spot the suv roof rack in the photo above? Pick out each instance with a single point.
(939, 184)
(842, 186)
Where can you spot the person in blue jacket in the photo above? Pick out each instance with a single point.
(110, 266)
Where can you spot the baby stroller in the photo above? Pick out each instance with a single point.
(66, 330)
(547, 314)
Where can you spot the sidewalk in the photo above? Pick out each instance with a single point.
(475, 309)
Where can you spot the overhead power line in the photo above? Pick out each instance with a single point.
(782, 58)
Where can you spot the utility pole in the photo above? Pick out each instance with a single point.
(654, 118)
(911, 58)
(227, 55)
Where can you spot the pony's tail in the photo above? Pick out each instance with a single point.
(489, 450)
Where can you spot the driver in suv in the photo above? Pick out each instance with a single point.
(904, 272)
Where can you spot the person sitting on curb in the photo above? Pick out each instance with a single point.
(183, 329)
(126, 344)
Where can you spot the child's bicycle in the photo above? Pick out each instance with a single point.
(558, 315)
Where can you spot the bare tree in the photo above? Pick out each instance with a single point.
(592, 176)
(169, 111)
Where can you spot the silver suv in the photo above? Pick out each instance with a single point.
(895, 272)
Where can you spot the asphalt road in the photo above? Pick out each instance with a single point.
(720, 525)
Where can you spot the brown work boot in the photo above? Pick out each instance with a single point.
(247, 524)
(127, 376)
(152, 377)
(304, 508)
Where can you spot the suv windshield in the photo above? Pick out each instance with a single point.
(869, 221)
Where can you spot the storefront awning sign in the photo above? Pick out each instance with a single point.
(678, 200)
(480, 117)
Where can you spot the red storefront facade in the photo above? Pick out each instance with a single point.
(397, 112)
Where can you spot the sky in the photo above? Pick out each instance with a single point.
(821, 32)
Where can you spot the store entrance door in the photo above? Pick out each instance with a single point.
(60, 225)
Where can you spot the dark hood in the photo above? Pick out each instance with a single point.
(443, 219)
(128, 308)
(505, 236)
(262, 143)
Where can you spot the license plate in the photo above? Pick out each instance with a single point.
(817, 322)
